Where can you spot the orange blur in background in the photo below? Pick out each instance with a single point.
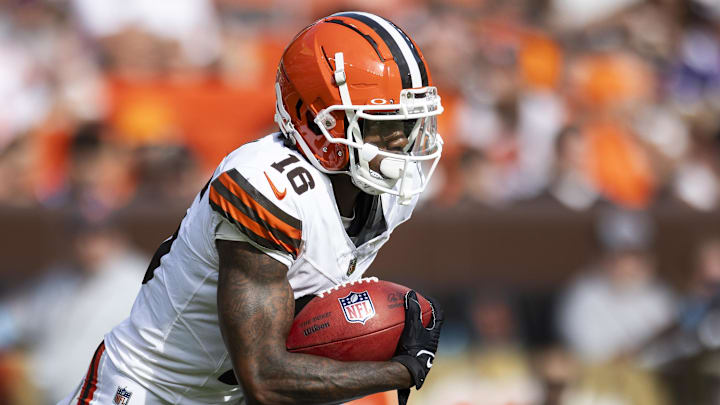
(571, 230)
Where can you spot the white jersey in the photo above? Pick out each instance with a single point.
(269, 195)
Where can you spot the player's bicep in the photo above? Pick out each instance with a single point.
(255, 307)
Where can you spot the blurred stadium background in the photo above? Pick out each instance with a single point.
(573, 231)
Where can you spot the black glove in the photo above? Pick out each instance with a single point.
(417, 346)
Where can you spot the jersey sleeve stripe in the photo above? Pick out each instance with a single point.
(251, 234)
(254, 220)
(259, 199)
(251, 201)
(266, 231)
(255, 232)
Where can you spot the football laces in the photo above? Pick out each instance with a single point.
(347, 283)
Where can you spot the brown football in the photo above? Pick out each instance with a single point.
(357, 321)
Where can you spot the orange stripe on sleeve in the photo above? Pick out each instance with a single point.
(262, 212)
(248, 223)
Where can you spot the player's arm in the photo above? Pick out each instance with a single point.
(256, 310)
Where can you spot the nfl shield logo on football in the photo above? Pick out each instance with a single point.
(122, 396)
(357, 307)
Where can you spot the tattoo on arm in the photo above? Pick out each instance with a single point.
(256, 310)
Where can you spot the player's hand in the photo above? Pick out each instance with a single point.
(417, 346)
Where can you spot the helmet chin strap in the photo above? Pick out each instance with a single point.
(341, 81)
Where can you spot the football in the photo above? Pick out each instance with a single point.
(357, 321)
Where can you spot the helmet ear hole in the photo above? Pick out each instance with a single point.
(311, 123)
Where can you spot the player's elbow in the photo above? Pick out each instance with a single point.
(259, 397)
(264, 395)
(262, 391)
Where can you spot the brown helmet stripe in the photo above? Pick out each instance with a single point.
(366, 36)
(402, 62)
(415, 53)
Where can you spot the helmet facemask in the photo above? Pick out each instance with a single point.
(378, 168)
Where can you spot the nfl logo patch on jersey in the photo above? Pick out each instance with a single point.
(122, 396)
(357, 307)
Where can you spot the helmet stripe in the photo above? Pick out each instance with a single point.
(407, 47)
(402, 53)
(415, 53)
(367, 37)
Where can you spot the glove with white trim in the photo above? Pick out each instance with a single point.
(417, 346)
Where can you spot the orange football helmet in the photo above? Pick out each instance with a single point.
(349, 69)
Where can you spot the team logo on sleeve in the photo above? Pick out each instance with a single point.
(357, 307)
(122, 396)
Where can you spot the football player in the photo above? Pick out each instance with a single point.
(282, 218)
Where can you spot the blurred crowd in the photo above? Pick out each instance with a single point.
(617, 334)
(110, 106)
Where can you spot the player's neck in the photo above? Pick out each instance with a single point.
(345, 194)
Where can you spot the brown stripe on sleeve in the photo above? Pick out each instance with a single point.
(264, 223)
